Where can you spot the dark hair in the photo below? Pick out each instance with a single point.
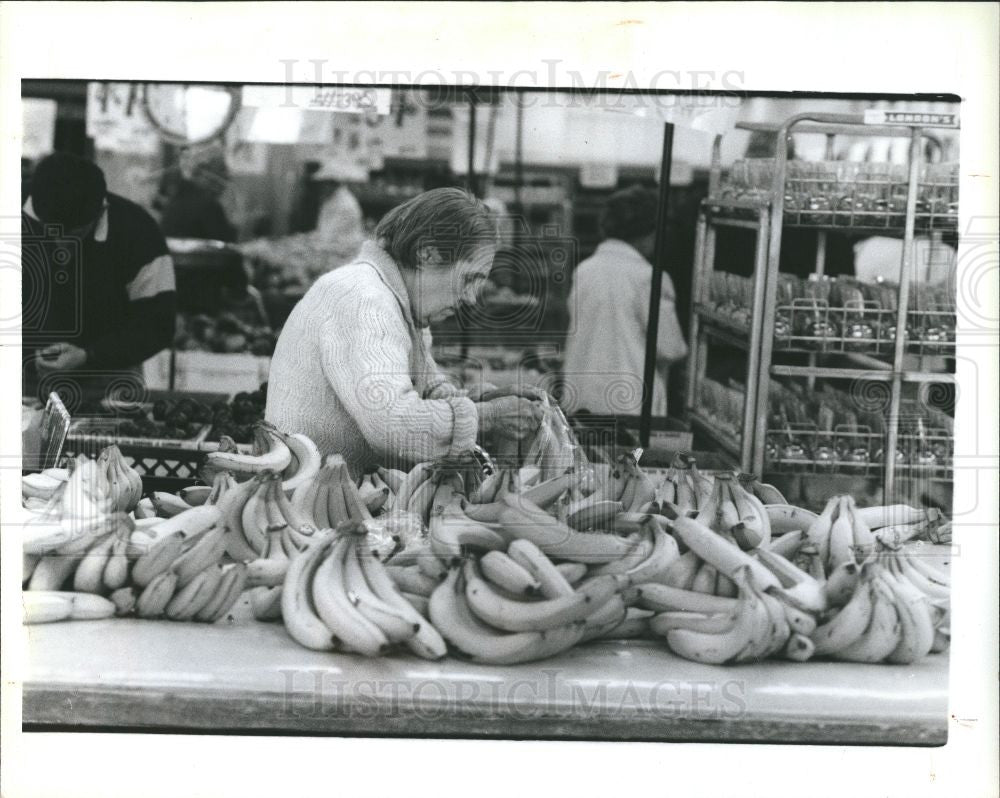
(448, 219)
(630, 213)
(67, 190)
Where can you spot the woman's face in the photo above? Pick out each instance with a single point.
(438, 288)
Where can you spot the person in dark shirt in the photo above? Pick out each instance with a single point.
(98, 291)
(194, 209)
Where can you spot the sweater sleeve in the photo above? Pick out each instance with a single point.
(438, 384)
(365, 350)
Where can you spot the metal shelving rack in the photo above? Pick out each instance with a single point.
(767, 213)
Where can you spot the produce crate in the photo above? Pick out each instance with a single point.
(208, 371)
(163, 465)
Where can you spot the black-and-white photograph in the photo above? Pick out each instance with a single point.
(389, 409)
(498, 413)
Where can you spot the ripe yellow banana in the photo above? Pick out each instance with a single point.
(476, 640)
(558, 540)
(785, 519)
(194, 594)
(156, 594)
(818, 532)
(521, 616)
(426, 643)
(420, 473)
(87, 578)
(298, 612)
(206, 552)
(352, 630)
(452, 533)
(265, 603)
(883, 633)
(916, 622)
(53, 571)
(572, 572)
(46, 606)
(663, 598)
(841, 584)
(738, 641)
(504, 572)
(305, 460)
(726, 557)
(277, 457)
(682, 571)
(392, 477)
(231, 587)
(844, 628)
(158, 559)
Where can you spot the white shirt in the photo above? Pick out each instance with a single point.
(606, 342)
(341, 223)
(879, 256)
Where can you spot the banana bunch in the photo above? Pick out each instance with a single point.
(751, 627)
(326, 500)
(337, 595)
(516, 606)
(736, 513)
(46, 606)
(80, 560)
(708, 589)
(271, 452)
(765, 493)
(686, 490)
(884, 619)
(37, 490)
(124, 481)
(182, 576)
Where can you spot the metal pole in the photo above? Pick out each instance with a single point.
(659, 264)
(751, 401)
(902, 312)
(519, 152)
(701, 277)
(470, 181)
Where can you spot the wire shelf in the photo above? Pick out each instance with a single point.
(842, 194)
(803, 448)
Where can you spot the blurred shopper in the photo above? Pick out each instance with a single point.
(98, 295)
(609, 311)
(341, 226)
(194, 208)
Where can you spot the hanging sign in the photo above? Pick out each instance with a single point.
(335, 99)
(38, 130)
(115, 119)
(910, 118)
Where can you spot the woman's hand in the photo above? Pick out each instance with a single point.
(490, 392)
(509, 416)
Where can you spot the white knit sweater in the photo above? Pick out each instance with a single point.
(353, 372)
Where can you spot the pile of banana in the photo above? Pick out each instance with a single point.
(116, 564)
(514, 566)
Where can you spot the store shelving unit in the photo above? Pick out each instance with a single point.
(863, 341)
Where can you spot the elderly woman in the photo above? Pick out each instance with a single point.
(353, 368)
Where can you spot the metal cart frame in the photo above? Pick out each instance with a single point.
(767, 217)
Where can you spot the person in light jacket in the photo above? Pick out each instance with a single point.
(353, 368)
(609, 311)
